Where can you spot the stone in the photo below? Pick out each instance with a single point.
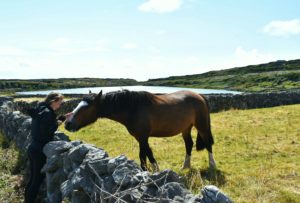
(80, 197)
(140, 177)
(56, 147)
(212, 194)
(73, 183)
(165, 176)
(54, 163)
(94, 154)
(172, 189)
(77, 154)
(125, 172)
(75, 143)
(132, 196)
(61, 136)
(114, 162)
(108, 184)
(98, 166)
(66, 189)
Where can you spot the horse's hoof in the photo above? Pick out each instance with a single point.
(185, 166)
(155, 167)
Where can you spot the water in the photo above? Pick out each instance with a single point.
(152, 89)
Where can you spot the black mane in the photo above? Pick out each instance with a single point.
(125, 100)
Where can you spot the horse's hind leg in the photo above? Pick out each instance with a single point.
(205, 139)
(188, 147)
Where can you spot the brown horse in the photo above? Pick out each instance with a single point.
(150, 115)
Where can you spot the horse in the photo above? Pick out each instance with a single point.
(150, 115)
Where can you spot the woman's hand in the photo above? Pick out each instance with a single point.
(68, 115)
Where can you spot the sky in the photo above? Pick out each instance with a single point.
(143, 39)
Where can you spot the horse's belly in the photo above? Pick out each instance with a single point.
(169, 129)
(170, 120)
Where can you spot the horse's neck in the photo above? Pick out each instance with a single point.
(121, 118)
(114, 112)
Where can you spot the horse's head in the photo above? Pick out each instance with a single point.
(84, 114)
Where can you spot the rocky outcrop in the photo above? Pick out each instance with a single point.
(84, 173)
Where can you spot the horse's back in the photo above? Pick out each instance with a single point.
(173, 113)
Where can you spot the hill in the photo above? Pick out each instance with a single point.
(269, 77)
(13, 85)
(273, 76)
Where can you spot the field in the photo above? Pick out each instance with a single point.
(257, 153)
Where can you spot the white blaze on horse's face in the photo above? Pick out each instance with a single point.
(79, 106)
(70, 124)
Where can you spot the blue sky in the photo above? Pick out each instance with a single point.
(143, 39)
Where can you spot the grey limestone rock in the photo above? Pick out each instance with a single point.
(212, 194)
(114, 162)
(56, 147)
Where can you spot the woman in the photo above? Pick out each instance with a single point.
(44, 124)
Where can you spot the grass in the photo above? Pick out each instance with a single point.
(257, 153)
(11, 180)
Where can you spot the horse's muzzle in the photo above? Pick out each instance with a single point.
(70, 126)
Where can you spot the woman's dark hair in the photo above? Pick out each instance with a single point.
(53, 97)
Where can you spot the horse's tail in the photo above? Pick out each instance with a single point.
(204, 136)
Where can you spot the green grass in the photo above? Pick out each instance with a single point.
(257, 153)
(11, 180)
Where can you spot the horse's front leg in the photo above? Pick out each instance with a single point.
(145, 148)
(143, 156)
(188, 146)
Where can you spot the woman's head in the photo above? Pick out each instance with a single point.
(54, 100)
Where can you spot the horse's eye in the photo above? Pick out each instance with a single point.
(87, 100)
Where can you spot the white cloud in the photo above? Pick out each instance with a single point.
(283, 28)
(242, 57)
(129, 45)
(160, 6)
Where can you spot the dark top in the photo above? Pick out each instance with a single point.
(43, 126)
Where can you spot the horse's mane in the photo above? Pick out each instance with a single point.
(125, 100)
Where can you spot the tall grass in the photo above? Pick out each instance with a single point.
(257, 153)
(11, 180)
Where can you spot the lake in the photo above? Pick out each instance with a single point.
(152, 89)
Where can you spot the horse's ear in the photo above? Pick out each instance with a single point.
(98, 97)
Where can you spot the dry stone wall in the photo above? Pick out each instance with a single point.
(218, 102)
